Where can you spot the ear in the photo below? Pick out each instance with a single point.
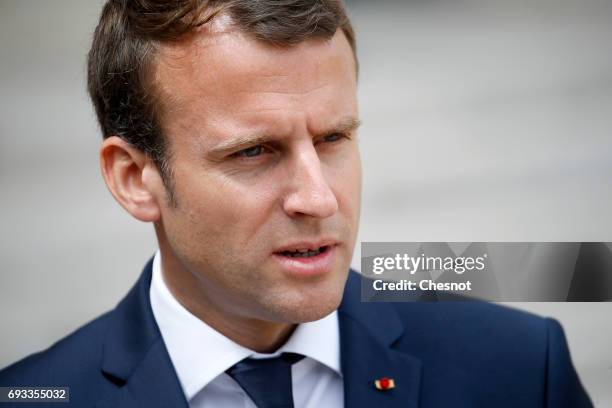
(132, 178)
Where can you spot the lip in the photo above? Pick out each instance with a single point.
(314, 244)
(317, 265)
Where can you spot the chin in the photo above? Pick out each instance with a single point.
(306, 306)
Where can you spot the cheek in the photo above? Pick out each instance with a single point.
(223, 211)
(347, 180)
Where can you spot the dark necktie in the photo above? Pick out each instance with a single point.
(266, 381)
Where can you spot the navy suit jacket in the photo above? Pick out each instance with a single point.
(460, 354)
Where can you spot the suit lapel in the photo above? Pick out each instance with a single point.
(367, 331)
(135, 357)
(152, 384)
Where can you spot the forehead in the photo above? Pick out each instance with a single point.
(227, 76)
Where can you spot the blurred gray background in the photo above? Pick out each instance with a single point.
(483, 121)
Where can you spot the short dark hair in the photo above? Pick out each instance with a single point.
(121, 58)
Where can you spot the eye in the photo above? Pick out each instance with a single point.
(251, 151)
(334, 137)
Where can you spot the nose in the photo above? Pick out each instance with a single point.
(309, 192)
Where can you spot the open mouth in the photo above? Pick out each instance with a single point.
(307, 259)
(304, 252)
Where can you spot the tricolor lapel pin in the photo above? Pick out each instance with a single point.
(384, 384)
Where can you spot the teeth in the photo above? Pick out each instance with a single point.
(303, 253)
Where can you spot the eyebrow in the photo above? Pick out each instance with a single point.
(345, 125)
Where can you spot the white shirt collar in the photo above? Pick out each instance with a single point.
(200, 354)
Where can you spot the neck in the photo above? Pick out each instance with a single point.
(259, 335)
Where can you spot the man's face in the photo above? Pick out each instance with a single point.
(265, 162)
